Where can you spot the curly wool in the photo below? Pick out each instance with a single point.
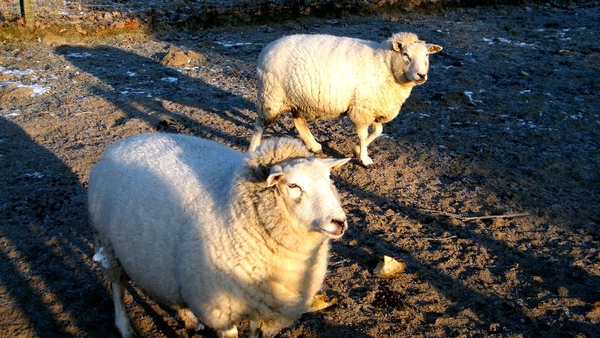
(271, 152)
(404, 37)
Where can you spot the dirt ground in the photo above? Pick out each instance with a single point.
(486, 185)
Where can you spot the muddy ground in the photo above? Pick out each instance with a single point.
(507, 126)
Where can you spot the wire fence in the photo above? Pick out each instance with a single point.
(53, 9)
(50, 10)
(72, 9)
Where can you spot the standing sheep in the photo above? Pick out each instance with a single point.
(325, 77)
(219, 235)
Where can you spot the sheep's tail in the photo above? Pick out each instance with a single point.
(269, 105)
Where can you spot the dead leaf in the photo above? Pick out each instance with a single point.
(80, 30)
(320, 302)
(389, 268)
(117, 25)
(133, 24)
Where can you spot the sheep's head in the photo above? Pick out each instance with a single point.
(292, 192)
(410, 62)
(309, 194)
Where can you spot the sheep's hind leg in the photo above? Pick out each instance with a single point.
(113, 270)
(306, 135)
(259, 127)
(121, 320)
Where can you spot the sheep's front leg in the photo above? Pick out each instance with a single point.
(361, 149)
(255, 331)
(377, 128)
(190, 322)
(306, 135)
(230, 333)
(121, 320)
(364, 140)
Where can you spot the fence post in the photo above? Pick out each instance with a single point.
(27, 12)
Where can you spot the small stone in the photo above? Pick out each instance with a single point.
(389, 268)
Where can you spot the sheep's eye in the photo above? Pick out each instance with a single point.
(406, 56)
(296, 193)
(293, 186)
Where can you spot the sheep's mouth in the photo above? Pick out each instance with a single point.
(335, 229)
(421, 81)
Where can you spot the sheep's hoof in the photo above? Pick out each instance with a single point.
(367, 162)
(190, 322)
(318, 149)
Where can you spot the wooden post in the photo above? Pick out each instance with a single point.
(27, 12)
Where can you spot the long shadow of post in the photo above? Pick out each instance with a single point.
(146, 89)
(512, 314)
(45, 244)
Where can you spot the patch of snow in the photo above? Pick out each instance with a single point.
(232, 44)
(34, 174)
(16, 72)
(37, 89)
(12, 114)
(79, 55)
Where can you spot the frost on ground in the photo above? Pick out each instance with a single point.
(486, 184)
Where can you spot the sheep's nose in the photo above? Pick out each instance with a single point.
(340, 225)
(422, 76)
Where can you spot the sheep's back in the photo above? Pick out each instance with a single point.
(319, 74)
(145, 195)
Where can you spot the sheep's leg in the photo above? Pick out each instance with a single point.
(255, 331)
(365, 139)
(306, 135)
(121, 320)
(113, 270)
(361, 149)
(377, 128)
(259, 127)
(230, 333)
(190, 322)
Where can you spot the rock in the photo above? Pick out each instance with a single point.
(179, 59)
(12, 91)
(389, 268)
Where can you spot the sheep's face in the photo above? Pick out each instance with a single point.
(411, 61)
(310, 197)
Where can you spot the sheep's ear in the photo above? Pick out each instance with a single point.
(433, 48)
(397, 46)
(334, 163)
(275, 176)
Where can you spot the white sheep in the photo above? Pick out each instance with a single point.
(219, 235)
(325, 77)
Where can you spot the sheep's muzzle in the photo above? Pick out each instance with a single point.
(335, 228)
